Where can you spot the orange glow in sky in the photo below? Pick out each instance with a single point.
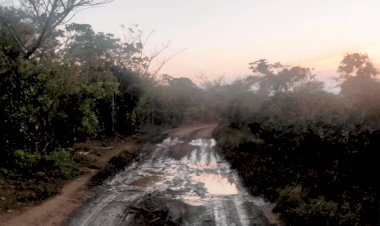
(327, 64)
(221, 36)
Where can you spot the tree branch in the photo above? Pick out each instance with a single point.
(14, 35)
(164, 61)
(51, 14)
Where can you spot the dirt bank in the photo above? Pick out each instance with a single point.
(55, 210)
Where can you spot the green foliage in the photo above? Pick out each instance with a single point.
(35, 98)
(32, 177)
(60, 164)
(100, 50)
(57, 164)
(319, 141)
(68, 86)
(89, 120)
(312, 153)
(300, 210)
(26, 160)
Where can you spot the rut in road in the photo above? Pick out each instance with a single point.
(179, 183)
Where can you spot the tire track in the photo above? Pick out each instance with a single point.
(197, 189)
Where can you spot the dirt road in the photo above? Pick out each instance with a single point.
(182, 181)
(55, 210)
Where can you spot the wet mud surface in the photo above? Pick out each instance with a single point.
(179, 183)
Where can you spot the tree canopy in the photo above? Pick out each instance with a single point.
(43, 18)
(275, 78)
(357, 64)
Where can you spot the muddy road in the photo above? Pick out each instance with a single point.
(182, 181)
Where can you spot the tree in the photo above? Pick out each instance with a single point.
(12, 20)
(169, 102)
(46, 16)
(274, 78)
(88, 48)
(357, 64)
(357, 73)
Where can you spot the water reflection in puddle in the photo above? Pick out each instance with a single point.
(216, 184)
(187, 172)
(193, 200)
(215, 178)
(145, 181)
(203, 142)
(199, 173)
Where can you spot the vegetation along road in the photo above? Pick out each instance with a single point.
(72, 98)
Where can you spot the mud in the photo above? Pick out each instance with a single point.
(181, 182)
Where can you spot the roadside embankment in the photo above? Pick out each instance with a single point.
(99, 160)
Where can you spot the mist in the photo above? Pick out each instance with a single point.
(158, 133)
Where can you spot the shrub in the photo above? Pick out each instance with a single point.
(299, 209)
(25, 160)
(60, 164)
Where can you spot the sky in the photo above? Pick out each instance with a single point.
(220, 37)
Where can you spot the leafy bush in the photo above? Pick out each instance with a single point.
(60, 164)
(26, 160)
(298, 209)
(327, 146)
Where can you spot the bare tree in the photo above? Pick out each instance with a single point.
(48, 15)
(163, 62)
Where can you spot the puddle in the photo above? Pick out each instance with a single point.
(180, 150)
(145, 181)
(216, 184)
(193, 200)
(203, 142)
(189, 179)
